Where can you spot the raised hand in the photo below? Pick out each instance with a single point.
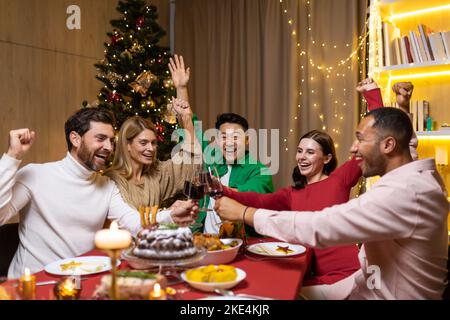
(180, 75)
(366, 85)
(20, 141)
(403, 92)
(181, 107)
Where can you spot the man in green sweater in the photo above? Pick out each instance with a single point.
(236, 167)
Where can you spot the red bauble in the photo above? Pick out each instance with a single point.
(140, 22)
(160, 131)
(114, 97)
(115, 38)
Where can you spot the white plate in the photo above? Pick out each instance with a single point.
(210, 286)
(89, 265)
(270, 249)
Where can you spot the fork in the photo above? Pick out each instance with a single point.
(229, 293)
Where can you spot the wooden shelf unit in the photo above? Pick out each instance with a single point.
(431, 79)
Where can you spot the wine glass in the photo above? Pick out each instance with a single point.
(214, 187)
(195, 190)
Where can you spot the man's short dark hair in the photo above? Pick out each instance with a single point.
(393, 122)
(231, 118)
(80, 121)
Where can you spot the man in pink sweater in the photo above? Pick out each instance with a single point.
(401, 221)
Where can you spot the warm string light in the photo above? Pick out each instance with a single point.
(326, 70)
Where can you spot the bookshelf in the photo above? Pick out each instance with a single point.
(431, 78)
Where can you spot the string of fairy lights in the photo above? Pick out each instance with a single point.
(337, 69)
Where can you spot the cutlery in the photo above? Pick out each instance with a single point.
(45, 283)
(229, 293)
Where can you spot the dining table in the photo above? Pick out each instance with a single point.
(278, 278)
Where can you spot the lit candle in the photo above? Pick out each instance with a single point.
(67, 289)
(112, 238)
(157, 293)
(27, 285)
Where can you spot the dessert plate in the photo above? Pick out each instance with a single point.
(276, 249)
(80, 266)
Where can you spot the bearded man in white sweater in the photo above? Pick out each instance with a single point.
(62, 204)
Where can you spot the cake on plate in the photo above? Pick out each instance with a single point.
(166, 241)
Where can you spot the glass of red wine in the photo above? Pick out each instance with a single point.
(213, 186)
(195, 190)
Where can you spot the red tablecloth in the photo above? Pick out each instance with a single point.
(278, 278)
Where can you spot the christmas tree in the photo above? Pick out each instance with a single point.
(135, 73)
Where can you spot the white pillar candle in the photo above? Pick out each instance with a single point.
(112, 238)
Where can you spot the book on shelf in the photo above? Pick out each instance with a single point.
(409, 56)
(424, 31)
(413, 111)
(397, 50)
(390, 32)
(422, 51)
(415, 47)
(403, 52)
(380, 51)
(437, 46)
(446, 40)
(420, 112)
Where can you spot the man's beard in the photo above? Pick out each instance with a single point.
(374, 167)
(87, 158)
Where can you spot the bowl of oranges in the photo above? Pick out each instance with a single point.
(211, 277)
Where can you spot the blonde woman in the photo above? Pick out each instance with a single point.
(142, 179)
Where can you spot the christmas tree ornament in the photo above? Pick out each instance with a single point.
(140, 22)
(115, 38)
(137, 48)
(143, 82)
(126, 54)
(113, 78)
(170, 115)
(151, 104)
(114, 97)
(160, 132)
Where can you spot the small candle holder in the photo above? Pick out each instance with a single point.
(114, 291)
(27, 286)
(68, 288)
(171, 293)
(157, 293)
(113, 241)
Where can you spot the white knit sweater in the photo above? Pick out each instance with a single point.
(62, 204)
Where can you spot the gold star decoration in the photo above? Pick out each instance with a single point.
(136, 48)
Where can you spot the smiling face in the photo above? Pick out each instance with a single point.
(367, 148)
(311, 159)
(94, 147)
(232, 141)
(143, 147)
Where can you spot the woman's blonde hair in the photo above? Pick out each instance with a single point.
(128, 131)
